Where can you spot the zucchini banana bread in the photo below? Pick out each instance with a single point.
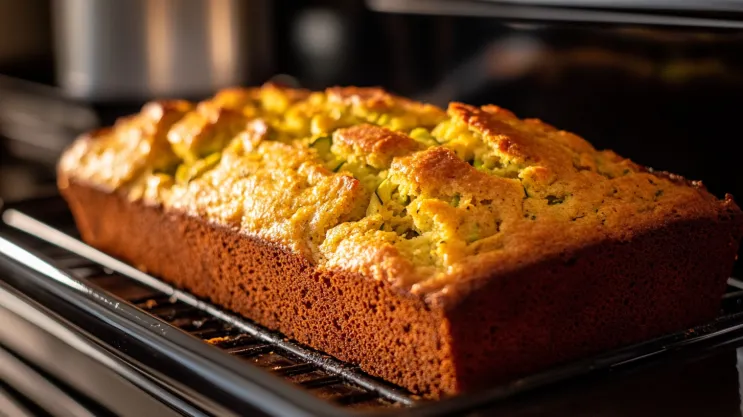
(439, 249)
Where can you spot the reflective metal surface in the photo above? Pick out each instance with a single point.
(48, 370)
(111, 49)
(595, 11)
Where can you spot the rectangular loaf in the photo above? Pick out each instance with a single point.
(440, 250)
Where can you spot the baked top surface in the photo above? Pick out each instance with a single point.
(359, 179)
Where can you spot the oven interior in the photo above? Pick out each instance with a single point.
(665, 93)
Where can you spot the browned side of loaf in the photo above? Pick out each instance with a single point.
(346, 315)
(602, 297)
(615, 293)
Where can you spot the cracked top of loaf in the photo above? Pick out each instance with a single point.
(362, 180)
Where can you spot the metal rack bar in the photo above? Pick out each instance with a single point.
(551, 12)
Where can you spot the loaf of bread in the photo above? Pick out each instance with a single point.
(441, 250)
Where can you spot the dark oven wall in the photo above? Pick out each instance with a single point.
(668, 98)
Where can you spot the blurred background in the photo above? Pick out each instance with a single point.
(658, 81)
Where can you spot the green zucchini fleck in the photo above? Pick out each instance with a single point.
(338, 168)
(322, 145)
(334, 164)
(385, 190)
(188, 172)
(474, 233)
(183, 173)
(375, 205)
(384, 119)
(422, 135)
(455, 200)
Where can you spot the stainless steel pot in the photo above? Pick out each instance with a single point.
(138, 49)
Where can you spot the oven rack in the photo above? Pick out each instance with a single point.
(40, 241)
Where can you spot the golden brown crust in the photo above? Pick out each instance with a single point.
(377, 145)
(116, 156)
(475, 184)
(204, 131)
(438, 171)
(486, 122)
(370, 97)
(438, 207)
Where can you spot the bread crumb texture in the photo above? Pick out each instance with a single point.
(397, 190)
